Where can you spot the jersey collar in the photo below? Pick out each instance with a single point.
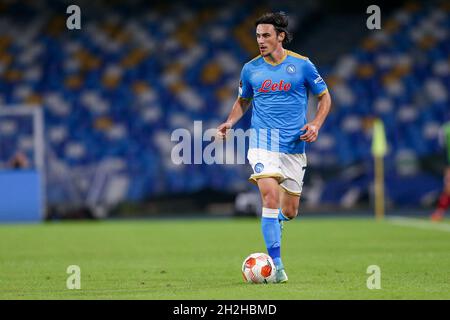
(281, 61)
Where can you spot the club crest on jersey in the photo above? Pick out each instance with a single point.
(259, 167)
(268, 86)
(290, 69)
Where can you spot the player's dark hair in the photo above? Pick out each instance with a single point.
(280, 22)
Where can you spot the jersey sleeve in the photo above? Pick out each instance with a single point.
(245, 88)
(313, 79)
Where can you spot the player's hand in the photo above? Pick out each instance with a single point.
(312, 131)
(222, 130)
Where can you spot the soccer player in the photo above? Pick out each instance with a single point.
(276, 84)
(444, 199)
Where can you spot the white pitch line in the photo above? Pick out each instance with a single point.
(418, 223)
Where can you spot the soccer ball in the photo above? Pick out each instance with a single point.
(258, 268)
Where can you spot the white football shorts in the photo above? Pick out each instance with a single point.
(288, 169)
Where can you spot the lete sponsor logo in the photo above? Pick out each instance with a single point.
(268, 86)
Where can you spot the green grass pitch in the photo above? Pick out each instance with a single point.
(187, 259)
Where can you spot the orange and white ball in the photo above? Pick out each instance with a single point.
(258, 268)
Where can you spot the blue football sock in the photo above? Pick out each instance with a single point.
(272, 234)
(278, 263)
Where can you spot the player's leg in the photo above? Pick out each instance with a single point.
(288, 210)
(268, 187)
(289, 205)
(293, 168)
(267, 176)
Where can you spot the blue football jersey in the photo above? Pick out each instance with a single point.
(279, 94)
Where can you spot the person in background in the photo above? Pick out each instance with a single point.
(444, 198)
(19, 161)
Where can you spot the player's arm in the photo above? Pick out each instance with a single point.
(240, 107)
(312, 128)
(315, 83)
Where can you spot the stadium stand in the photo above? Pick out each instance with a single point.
(113, 92)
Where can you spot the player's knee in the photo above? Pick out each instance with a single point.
(270, 199)
(290, 211)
